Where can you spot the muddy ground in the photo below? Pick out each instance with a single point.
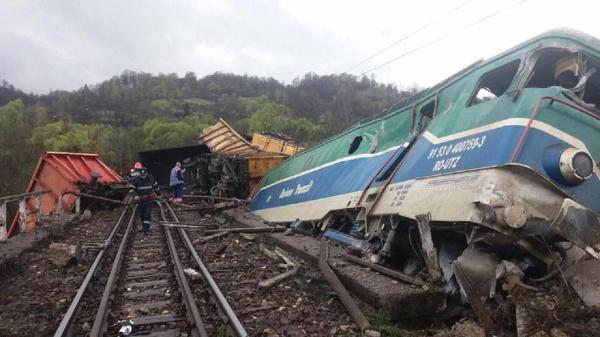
(299, 306)
(33, 302)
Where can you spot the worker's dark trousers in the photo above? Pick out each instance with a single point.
(178, 191)
(145, 211)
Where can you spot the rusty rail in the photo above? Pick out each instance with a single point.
(216, 293)
(186, 292)
(64, 329)
(99, 326)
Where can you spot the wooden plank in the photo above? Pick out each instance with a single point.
(146, 284)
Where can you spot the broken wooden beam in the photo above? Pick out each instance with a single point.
(208, 197)
(283, 255)
(191, 224)
(190, 227)
(279, 278)
(268, 253)
(353, 310)
(248, 230)
(211, 237)
(197, 208)
(289, 262)
(385, 271)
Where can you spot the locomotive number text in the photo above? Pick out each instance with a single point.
(453, 149)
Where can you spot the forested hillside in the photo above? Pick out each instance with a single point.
(138, 111)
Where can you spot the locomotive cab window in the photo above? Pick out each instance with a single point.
(355, 144)
(425, 116)
(494, 84)
(574, 71)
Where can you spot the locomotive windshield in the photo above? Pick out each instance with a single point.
(495, 83)
(576, 72)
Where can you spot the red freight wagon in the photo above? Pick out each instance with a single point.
(60, 172)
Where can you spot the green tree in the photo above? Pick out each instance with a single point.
(266, 115)
(158, 133)
(16, 154)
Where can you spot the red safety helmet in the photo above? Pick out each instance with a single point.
(137, 165)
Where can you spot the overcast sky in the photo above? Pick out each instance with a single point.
(65, 44)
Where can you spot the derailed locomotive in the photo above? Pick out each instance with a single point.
(492, 166)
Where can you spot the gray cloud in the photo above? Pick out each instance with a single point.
(65, 44)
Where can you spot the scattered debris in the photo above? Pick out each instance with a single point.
(61, 254)
(289, 263)
(464, 328)
(264, 307)
(267, 229)
(512, 276)
(268, 253)
(192, 273)
(584, 277)
(213, 236)
(386, 271)
(248, 236)
(475, 271)
(372, 333)
(126, 329)
(278, 278)
(221, 248)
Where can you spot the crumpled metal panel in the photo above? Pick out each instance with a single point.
(584, 277)
(578, 225)
(60, 172)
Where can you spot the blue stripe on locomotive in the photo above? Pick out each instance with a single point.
(485, 149)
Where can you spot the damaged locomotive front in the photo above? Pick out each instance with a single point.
(486, 183)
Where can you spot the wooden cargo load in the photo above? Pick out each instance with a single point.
(264, 152)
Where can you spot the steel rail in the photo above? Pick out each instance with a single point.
(186, 292)
(99, 325)
(65, 324)
(234, 321)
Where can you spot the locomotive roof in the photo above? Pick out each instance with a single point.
(543, 40)
(559, 37)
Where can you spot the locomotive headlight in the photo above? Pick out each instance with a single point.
(576, 165)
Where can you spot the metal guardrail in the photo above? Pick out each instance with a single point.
(59, 202)
(24, 212)
(22, 200)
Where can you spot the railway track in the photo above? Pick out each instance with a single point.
(146, 291)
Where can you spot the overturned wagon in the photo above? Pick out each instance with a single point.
(224, 163)
(493, 169)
